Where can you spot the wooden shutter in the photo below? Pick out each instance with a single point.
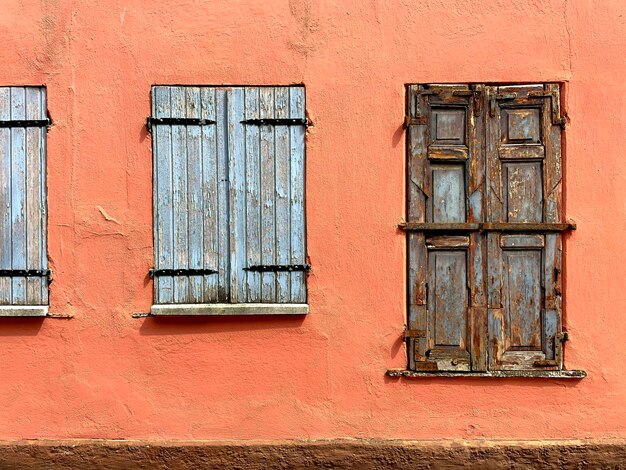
(190, 195)
(271, 211)
(445, 194)
(524, 260)
(23, 196)
(229, 194)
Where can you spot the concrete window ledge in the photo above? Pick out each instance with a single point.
(228, 309)
(498, 374)
(23, 310)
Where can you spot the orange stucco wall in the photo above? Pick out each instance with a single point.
(104, 374)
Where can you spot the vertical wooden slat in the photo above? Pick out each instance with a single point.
(195, 240)
(237, 192)
(43, 202)
(282, 180)
(209, 195)
(18, 195)
(163, 214)
(222, 142)
(268, 209)
(296, 193)
(34, 215)
(180, 194)
(5, 196)
(253, 190)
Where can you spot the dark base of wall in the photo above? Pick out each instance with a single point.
(349, 454)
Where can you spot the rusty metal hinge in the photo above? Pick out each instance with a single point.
(406, 334)
(414, 121)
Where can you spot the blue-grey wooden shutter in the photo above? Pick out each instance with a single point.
(524, 264)
(228, 194)
(23, 196)
(445, 198)
(272, 209)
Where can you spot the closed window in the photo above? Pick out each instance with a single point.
(229, 219)
(484, 223)
(23, 264)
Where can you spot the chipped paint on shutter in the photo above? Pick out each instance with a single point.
(445, 186)
(524, 177)
(23, 196)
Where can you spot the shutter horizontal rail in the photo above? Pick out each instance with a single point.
(276, 122)
(438, 227)
(486, 227)
(181, 272)
(151, 121)
(279, 267)
(26, 123)
(527, 227)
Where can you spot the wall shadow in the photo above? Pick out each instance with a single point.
(217, 324)
(20, 326)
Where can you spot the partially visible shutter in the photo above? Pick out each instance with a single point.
(229, 194)
(524, 179)
(445, 194)
(23, 196)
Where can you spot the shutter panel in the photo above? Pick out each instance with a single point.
(23, 196)
(272, 211)
(229, 195)
(524, 178)
(446, 287)
(190, 196)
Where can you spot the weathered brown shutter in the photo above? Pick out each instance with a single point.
(524, 256)
(445, 200)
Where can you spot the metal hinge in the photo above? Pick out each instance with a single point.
(181, 272)
(277, 122)
(150, 121)
(27, 273)
(278, 267)
(406, 334)
(26, 123)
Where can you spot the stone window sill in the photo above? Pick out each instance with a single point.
(23, 310)
(499, 374)
(228, 309)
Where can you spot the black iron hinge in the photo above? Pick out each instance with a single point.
(46, 273)
(181, 272)
(279, 267)
(177, 121)
(26, 123)
(277, 122)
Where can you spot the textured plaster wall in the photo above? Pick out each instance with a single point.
(104, 374)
